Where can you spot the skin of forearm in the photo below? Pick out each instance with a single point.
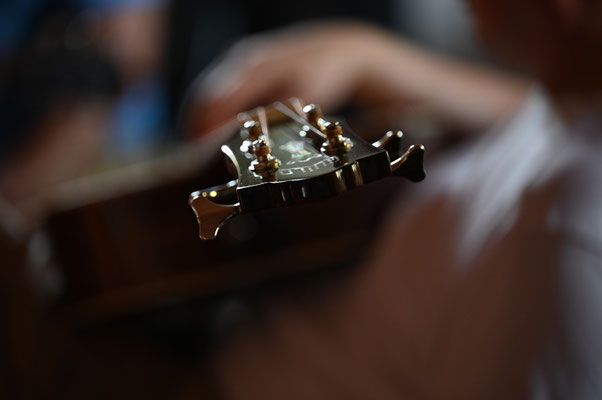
(471, 97)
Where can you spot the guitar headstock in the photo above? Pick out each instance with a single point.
(288, 154)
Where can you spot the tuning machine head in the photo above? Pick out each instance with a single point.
(253, 129)
(314, 116)
(410, 164)
(265, 164)
(335, 142)
(287, 154)
(250, 132)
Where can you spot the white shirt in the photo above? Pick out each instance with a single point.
(535, 147)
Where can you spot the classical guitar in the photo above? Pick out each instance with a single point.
(288, 154)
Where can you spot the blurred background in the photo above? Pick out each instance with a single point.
(93, 85)
(133, 61)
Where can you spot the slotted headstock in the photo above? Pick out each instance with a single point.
(287, 154)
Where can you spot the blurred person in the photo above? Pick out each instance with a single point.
(350, 62)
(482, 312)
(446, 27)
(80, 88)
(68, 70)
(486, 281)
(200, 31)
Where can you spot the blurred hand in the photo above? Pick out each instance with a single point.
(329, 63)
(319, 63)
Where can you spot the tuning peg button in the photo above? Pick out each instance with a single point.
(213, 206)
(390, 140)
(410, 164)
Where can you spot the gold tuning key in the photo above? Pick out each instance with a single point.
(265, 164)
(250, 132)
(391, 139)
(253, 129)
(314, 116)
(335, 142)
(410, 164)
(212, 209)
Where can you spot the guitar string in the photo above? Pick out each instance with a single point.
(297, 118)
(263, 121)
(296, 103)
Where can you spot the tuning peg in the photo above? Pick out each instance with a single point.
(250, 132)
(335, 142)
(391, 141)
(211, 208)
(314, 116)
(253, 129)
(410, 164)
(265, 163)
